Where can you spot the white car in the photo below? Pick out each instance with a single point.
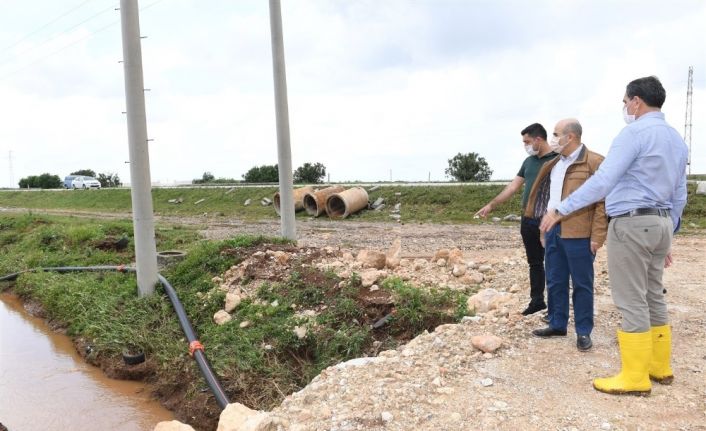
(85, 183)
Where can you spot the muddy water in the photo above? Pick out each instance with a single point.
(45, 385)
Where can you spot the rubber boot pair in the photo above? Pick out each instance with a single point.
(644, 356)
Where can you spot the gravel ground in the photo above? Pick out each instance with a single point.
(439, 381)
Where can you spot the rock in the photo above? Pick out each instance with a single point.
(265, 202)
(232, 301)
(386, 417)
(300, 332)
(393, 255)
(199, 201)
(512, 217)
(373, 188)
(486, 343)
(441, 262)
(379, 201)
(281, 257)
(486, 382)
(455, 256)
(380, 207)
(484, 268)
(237, 417)
(247, 202)
(221, 317)
(244, 324)
(395, 216)
(347, 257)
(372, 258)
(369, 277)
(495, 219)
(397, 207)
(486, 300)
(473, 278)
(701, 188)
(374, 287)
(419, 264)
(458, 270)
(442, 253)
(514, 288)
(172, 426)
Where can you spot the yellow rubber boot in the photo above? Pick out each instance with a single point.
(635, 355)
(660, 369)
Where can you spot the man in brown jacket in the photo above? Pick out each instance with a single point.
(571, 245)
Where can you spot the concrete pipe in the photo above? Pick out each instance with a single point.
(298, 198)
(315, 202)
(343, 204)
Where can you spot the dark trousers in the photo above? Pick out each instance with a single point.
(569, 259)
(529, 229)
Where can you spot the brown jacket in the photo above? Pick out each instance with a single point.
(589, 222)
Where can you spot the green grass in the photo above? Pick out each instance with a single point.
(420, 204)
(104, 308)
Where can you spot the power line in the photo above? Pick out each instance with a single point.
(39, 60)
(46, 41)
(90, 35)
(25, 37)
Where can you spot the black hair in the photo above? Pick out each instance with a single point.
(648, 89)
(535, 130)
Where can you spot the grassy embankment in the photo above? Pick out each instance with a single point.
(421, 204)
(257, 365)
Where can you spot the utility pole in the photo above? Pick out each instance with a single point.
(284, 150)
(140, 181)
(687, 119)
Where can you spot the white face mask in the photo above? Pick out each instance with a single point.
(554, 144)
(628, 118)
(531, 151)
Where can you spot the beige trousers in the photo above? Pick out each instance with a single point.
(637, 247)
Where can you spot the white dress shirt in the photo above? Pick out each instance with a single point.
(557, 177)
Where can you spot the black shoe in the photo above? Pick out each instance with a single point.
(583, 342)
(531, 309)
(545, 318)
(549, 332)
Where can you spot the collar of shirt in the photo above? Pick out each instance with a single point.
(573, 156)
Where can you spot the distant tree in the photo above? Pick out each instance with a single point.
(44, 181)
(262, 174)
(468, 167)
(109, 180)
(311, 174)
(207, 177)
(85, 172)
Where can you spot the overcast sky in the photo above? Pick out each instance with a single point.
(377, 88)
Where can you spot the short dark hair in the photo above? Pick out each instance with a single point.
(648, 89)
(535, 130)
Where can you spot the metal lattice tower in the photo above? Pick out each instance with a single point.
(687, 119)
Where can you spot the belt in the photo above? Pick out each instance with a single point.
(662, 212)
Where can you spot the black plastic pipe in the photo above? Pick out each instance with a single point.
(198, 353)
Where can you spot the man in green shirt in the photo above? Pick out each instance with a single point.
(534, 138)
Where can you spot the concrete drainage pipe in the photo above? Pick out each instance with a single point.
(298, 198)
(343, 204)
(315, 202)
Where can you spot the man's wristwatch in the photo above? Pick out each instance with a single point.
(557, 213)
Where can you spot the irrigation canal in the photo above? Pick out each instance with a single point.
(46, 385)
